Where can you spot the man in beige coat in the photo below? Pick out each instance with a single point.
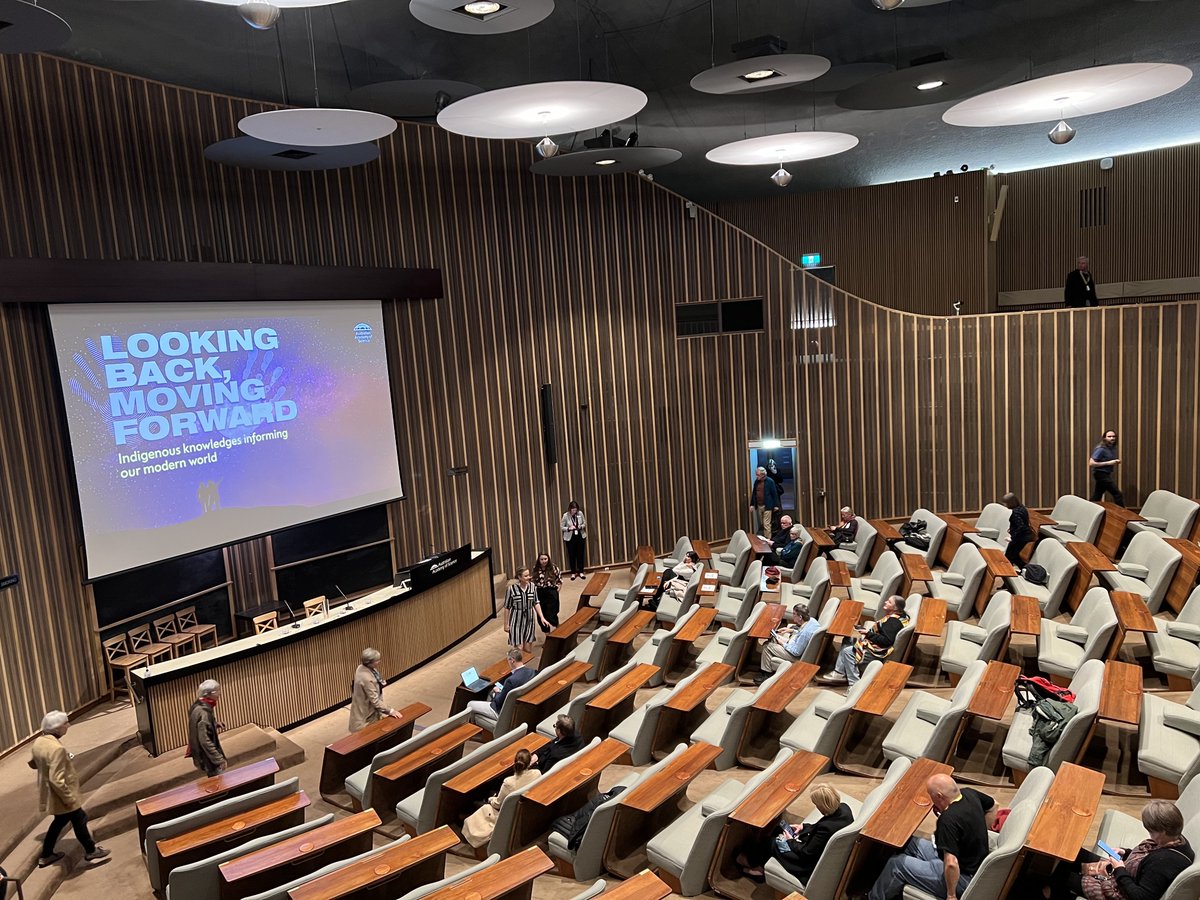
(58, 790)
(366, 693)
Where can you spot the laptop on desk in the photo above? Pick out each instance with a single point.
(472, 681)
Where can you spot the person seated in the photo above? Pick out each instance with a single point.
(783, 534)
(945, 866)
(791, 551)
(518, 674)
(798, 848)
(874, 643)
(845, 531)
(1143, 872)
(675, 579)
(788, 644)
(566, 743)
(478, 827)
(1020, 532)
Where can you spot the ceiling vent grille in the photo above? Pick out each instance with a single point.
(1093, 207)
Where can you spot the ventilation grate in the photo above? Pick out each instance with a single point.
(1093, 207)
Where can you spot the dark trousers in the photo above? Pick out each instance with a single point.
(548, 600)
(1013, 551)
(575, 554)
(1102, 484)
(78, 820)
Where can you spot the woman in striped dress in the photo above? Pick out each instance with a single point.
(520, 609)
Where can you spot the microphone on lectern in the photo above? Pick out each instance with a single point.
(344, 597)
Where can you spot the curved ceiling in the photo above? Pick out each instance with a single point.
(659, 45)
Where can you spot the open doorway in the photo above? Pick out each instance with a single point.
(779, 459)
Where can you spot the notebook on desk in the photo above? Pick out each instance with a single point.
(472, 681)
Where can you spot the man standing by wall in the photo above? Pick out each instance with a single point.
(764, 501)
(1080, 289)
(1103, 462)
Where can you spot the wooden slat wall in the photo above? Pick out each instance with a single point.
(914, 245)
(571, 282)
(1152, 230)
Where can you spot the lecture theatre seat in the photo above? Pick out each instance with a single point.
(735, 603)
(591, 648)
(656, 650)
(1167, 514)
(811, 590)
(281, 892)
(828, 872)
(682, 548)
(1060, 568)
(502, 722)
(1075, 519)
(733, 549)
(1064, 647)
(360, 785)
(857, 553)
(959, 584)
(819, 727)
(202, 880)
(965, 643)
(1175, 647)
(451, 880)
(1145, 569)
(621, 599)
(1086, 685)
(991, 527)
(670, 610)
(576, 705)
(729, 646)
(725, 725)
(928, 723)
(732, 564)
(1169, 743)
(935, 527)
(883, 582)
(1118, 829)
(800, 566)
(685, 848)
(638, 731)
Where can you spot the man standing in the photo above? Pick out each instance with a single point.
(1080, 289)
(1103, 463)
(204, 743)
(519, 674)
(58, 790)
(366, 692)
(944, 867)
(764, 501)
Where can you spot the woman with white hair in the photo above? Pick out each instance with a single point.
(58, 790)
(204, 742)
(366, 692)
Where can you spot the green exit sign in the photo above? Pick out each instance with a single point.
(810, 259)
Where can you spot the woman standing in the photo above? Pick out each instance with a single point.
(574, 534)
(547, 578)
(520, 607)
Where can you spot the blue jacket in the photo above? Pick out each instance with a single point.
(515, 679)
(770, 494)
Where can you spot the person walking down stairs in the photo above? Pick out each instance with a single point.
(58, 790)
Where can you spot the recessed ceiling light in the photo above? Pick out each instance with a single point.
(930, 85)
(481, 8)
(760, 75)
(605, 162)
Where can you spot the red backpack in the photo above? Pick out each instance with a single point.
(1030, 691)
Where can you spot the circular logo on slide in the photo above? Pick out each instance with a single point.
(363, 333)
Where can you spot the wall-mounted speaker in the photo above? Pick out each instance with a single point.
(548, 441)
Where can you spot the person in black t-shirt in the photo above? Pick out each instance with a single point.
(1103, 462)
(1020, 532)
(945, 866)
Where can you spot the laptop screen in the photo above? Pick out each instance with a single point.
(470, 676)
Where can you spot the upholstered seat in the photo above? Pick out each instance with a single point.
(1060, 568)
(729, 646)
(1075, 519)
(928, 723)
(588, 858)
(966, 643)
(819, 727)
(418, 811)
(935, 527)
(670, 609)
(1086, 685)
(857, 554)
(883, 582)
(737, 542)
(594, 891)
(281, 892)
(811, 591)
(620, 599)
(638, 730)
(1146, 569)
(575, 706)
(591, 648)
(657, 648)
(991, 527)
(461, 875)
(734, 603)
(802, 558)
(1167, 514)
(682, 548)
(685, 848)
(1169, 739)
(959, 584)
(1175, 646)
(732, 564)
(359, 785)
(502, 722)
(828, 872)
(724, 726)
(1063, 648)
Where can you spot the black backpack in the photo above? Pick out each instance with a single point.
(573, 825)
(916, 526)
(1035, 574)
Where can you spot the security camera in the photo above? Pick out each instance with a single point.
(957, 305)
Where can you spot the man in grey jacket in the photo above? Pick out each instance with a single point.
(204, 742)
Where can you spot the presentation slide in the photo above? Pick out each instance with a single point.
(195, 424)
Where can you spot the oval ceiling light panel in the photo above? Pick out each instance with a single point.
(544, 108)
(26, 28)
(1082, 92)
(317, 127)
(480, 16)
(605, 161)
(793, 146)
(760, 74)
